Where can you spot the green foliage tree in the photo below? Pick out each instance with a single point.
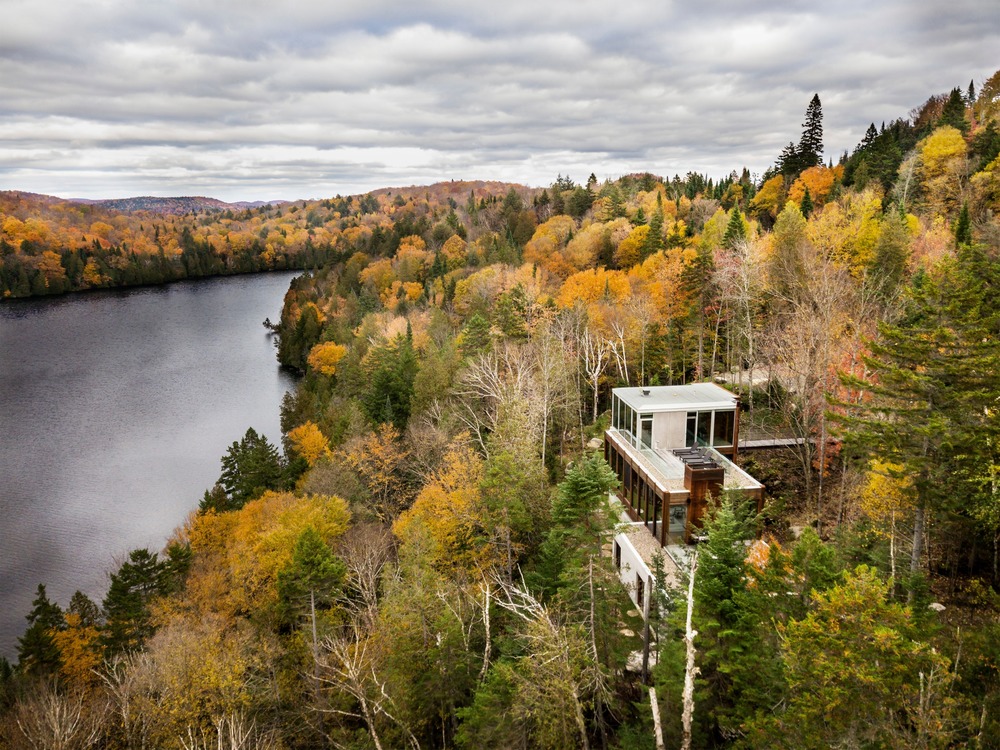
(810, 150)
(736, 230)
(128, 622)
(249, 468)
(859, 675)
(37, 653)
(806, 205)
(581, 518)
(953, 112)
(963, 226)
(391, 370)
(935, 379)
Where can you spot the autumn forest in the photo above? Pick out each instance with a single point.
(424, 561)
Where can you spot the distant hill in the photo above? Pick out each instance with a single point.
(173, 206)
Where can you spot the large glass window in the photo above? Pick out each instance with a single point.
(678, 522)
(704, 428)
(646, 430)
(691, 431)
(725, 425)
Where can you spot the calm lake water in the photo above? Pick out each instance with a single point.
(115, 409)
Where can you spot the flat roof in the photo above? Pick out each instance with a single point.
(691, 397)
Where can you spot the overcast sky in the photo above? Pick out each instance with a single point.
(246, 100)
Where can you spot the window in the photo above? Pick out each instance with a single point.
(678, 522)
(639, 590)
(618, 556)
(725, 426)
(692, 425)
(646, 430)
(704, 428)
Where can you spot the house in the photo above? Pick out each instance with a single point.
(672, 448)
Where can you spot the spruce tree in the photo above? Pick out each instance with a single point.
(963, 227)
(953, 112)
(935, 378)
(806, 206)
(736, 230)
(653, 243)
(128, 621)
(810, 150)
(37, 653)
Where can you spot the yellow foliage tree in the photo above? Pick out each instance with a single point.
(629, 251)
(78, 651)
(595, 285)
(325, 356)
(769, 198)
(455, 252)
(447, 512)
(309, 442)
(943, 167)
(818, 179)
(380, 460)
(263, 540)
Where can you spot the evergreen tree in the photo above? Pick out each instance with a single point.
(789, 163)
(312, 579)
(953, 112)
(249, 467)
(810, 150)
(475, 336)
(653, 242)
(935, 378)
(736, 230)
(963, 227)
(892, 254)
(391, 371)
(128, 622)
(581, 516)
(37, 653)
(806, 206)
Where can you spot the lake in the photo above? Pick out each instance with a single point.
(115, 409)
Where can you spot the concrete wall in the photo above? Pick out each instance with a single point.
(631, 566)
(668, 429)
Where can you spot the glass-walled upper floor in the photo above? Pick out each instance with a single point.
(674, 429)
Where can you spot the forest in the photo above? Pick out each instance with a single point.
(424, 562)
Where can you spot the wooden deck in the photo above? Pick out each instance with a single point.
(770, 444)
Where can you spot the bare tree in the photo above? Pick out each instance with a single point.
(554, 386)
(561, 673)
(366, 548)
(498, 395)
(690, 670)
(52, 720)
(348, 667)
(230, 732)
(596, 355)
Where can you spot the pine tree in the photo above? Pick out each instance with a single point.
(736, 230)
(312, 579)
(128, 622)
(37, 653)
(789, 163)
(249, 467)
(963, 227)
(935, 376)
(806, 206)
(653, 242)
(953, 112)
(810, 150)
(475, 338)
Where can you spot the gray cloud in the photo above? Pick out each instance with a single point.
(253, 99)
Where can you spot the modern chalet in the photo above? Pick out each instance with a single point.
(672, 448)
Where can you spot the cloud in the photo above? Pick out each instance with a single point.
(283, 100)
